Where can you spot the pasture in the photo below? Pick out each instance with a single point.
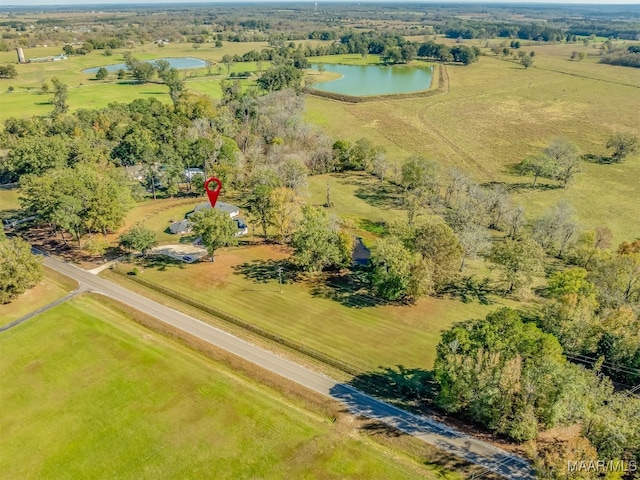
(87, 393)
(86, 92)
(496, 113)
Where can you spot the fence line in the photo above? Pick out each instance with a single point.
(333, 362)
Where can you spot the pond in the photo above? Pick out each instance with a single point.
(181, 63)
(361, 80)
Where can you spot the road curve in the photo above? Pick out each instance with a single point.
(426, 429)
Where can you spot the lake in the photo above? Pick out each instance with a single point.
(361, 80)
(182, 63)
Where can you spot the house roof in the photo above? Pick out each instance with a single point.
(183, 226)
(232, 210)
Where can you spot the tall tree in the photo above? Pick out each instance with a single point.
(60, 97)
(518, 261)
(216, 229)
(556, 229)
(171, 78)
(317, 242)
(622, 145)
(565, 156)
(138, 238)
(283, 213)
(438, 244)
(538, 166)
(259, 202)
(397, 273)
(421, 182)
(35, 154)
(19, 269)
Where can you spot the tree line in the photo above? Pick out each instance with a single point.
(392, 48)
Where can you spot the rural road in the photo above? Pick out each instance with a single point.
(424, 428)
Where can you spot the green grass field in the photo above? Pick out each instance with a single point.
(85, 92)
(243, 281)
(52, 287)
(86, 393)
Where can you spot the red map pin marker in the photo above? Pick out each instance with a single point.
(213, 194)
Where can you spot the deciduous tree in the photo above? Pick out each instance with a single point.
(439, 245)
(398, 273)
(565, 156)
(538, 166)
(215, 228)
(138, 238)
(60, 97)
(518, 260)
(622, 145)
(102, 73)
(317, 243)
(19, 269)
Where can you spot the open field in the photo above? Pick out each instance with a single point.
(243, 281)
(52, 287)
(496, 113)
(96, 396)
(86, 92)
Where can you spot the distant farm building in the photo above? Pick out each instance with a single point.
(55, 58)
(189, 173)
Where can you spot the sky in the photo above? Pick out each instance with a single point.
(104, 2)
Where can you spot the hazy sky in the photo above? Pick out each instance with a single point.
(103, 2)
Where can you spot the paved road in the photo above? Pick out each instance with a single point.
(424, 428)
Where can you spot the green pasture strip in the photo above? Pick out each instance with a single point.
(88, 394)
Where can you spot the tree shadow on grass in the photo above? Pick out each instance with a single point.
(520, 186)
(351, 289)
(435, 458)
(161, 262)
(405, 386)
(265, 271)
(599, 159)
(188, 239)
(381, 195)
(468, 289)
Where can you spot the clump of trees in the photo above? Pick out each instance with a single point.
(510, 376)
(560, 160)
(139, 239)
(319, 243)
(78, 200)
(8, 71)
(215, 228)
(19, 270)
(443, 53)
(626, 58)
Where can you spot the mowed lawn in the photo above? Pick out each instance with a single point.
(496, 113)
(87, 393)
(52, 287)
(243, 281)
